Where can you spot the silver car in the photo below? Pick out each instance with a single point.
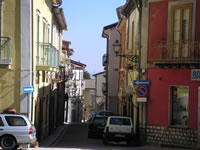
(16, 130)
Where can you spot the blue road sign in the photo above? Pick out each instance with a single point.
(29, 89)
(141, 91)
(141, 82)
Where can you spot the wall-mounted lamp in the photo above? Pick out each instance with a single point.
(116, 48)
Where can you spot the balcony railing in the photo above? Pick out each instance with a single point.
(48, 55)
(5, 51)
(104, 88)
(105, 60)
(177, 52)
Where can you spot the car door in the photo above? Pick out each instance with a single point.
(18, 127)
(2, 126)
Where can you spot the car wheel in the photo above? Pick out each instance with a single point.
(8, 142)
(129, 143)
(89, 135)
(105, 141)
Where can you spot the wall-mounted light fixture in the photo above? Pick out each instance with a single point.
(116, 48)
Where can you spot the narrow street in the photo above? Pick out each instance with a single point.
(74, 137)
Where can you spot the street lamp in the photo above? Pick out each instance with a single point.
(116, 49)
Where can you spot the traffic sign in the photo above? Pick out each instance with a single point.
(143, 99)
(29, 89)
(141, 82)
(141, 91)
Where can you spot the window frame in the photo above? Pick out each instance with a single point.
(193, 22)
(180, 42)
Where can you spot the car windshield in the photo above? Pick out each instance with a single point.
(105, 113)
(120, 121)
(100, 120)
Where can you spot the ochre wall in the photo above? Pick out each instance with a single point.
(10, 78)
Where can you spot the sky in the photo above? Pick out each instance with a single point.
(85, 20)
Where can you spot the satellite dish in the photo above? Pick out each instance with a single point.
(56, 3)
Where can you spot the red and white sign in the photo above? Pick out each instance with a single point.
(141, 91)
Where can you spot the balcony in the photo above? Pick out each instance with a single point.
(105, 60)
(177, 52)
(5, 59)
(47, 58)
(104, 91)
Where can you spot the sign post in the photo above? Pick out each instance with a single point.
(28, 90)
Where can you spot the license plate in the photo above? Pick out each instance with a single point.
(100, 127)
(119, 135)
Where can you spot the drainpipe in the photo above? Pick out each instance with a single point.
(138, 4)
(32, 62)
(0, 15)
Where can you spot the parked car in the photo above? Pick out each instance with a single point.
(118, 129)
(105, 113)
(15, 130)
(96, 126)
(91, 115)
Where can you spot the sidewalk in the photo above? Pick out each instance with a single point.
(51, 140)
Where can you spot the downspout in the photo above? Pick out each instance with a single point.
(32, 63)
(107, 47)
(139, 106)
(0, 15)
(107, 74)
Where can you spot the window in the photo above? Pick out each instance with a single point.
(133, 38)
(181, 29)
(15, 121)
(120, 121)
(179, 105)
(1, 122)
(43, 76)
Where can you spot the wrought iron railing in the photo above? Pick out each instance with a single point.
(5, 50)
(177, 51)
(47, 55)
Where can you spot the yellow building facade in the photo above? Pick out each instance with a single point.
(30, 72)
(13, 44)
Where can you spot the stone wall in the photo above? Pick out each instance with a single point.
(171, 136)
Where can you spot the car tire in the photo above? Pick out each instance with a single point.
(8, 142)
(89, 135)
(105, 141)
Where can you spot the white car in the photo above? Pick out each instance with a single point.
(118, 129)
(16, 130)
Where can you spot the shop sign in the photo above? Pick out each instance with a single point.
(195, 75)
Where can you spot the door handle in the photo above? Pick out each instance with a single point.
(1, 129)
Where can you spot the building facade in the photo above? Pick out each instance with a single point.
(173, 68)
(30, 60)
(112, 68)
(100, 91)
(76, 92)
(89, 102)
(16, 56)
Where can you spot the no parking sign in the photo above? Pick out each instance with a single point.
(141, 91)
